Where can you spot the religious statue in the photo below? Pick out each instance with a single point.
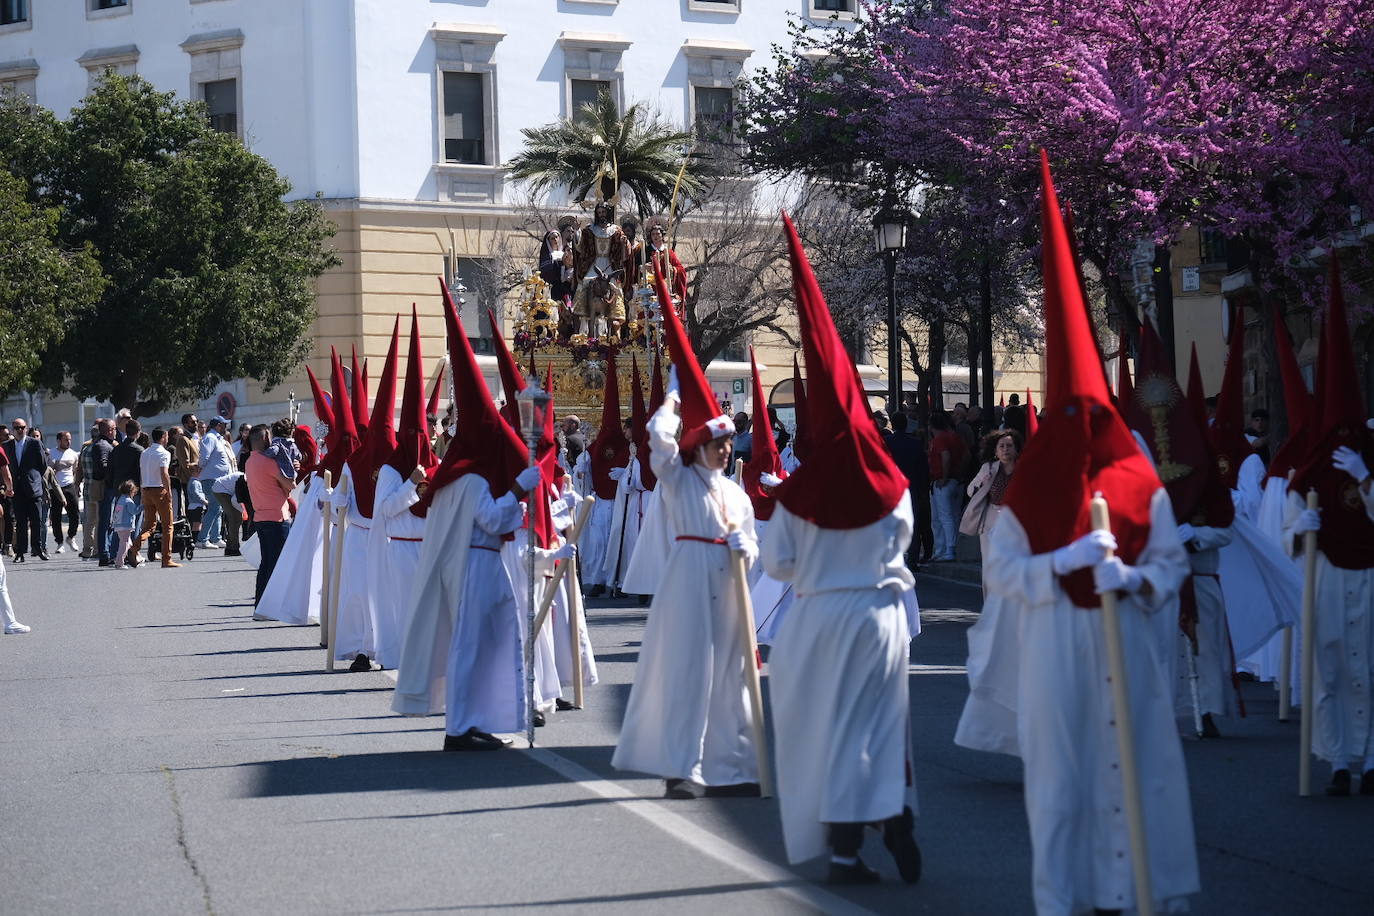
(600, 266)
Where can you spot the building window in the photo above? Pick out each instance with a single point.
(464, 118)
(826, 9)
(466, 153)
(101, 9)
(713, 6)
(217, 77)
(1211, 246)
(591, 65)
(713, 114)
(122, 60)
(587, 92)
(222, 100)
(13, 11)
(18, 77)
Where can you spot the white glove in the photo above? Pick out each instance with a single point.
(1349, 460)
(1308, 520)
(674, 389)
(527, 479)
(1112, 575)
(562, 553)
(1089, 550)
(741, 543)
(769, 480)
(1186, 532)
(617, 473)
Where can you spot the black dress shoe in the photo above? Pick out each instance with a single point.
(231, 552)
(563, 705)
(682, 789)
(42, 554)
(738, 790)
(899, 836)
(106, 561)
(474, 740)
(361, 663)
(1367, 783)
(858, 873)
(538, 719)
(644, 600)
(596, 591)
(1209, 728)
(1340, 784)
(19, 558)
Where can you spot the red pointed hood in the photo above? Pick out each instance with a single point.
(358, 396)
(323, 410)
(412, 435)
(848, 480)
(1032, 421)
(801, 437)
(639, 417)
(549, 472)
(1227, 432)
(1197, 397)
(1301, 407)
(702, 420)
(647, 477)
(1086, 448)
(763, 455)
(512, 379)
(380, 439)
(1183, 456)
(432, 408)
(1347, 534)
(484, 444)
(610, 449)
(343, 435)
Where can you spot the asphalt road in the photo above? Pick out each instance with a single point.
(163, 753)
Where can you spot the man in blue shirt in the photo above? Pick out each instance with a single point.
(215, 462)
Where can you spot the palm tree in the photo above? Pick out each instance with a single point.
(644, 153)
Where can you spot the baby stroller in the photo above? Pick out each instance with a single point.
(182, 544)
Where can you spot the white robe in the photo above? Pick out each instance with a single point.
(839, 675)
(1263, 589)
(1265, 662)
(292, 594)
(561, 621)
(627, 515)
(688, 715)
(513, 553)
(1213, 661)
(592, 544)
(1038, 665)
(1343, 686)
(393, 555)
(355, 634)
(651, 549)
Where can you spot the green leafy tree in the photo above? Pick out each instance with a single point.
(43, 289)
(210, 273)
(599, 145)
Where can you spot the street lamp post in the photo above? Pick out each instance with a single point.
(533, 404)
(889, 237)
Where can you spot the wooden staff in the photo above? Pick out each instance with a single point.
(751, 668)
(1286, 662)
(335, 570)
(1309, 656)
(575, 631)
(546, 603)
(1125, 735)
(327, 520)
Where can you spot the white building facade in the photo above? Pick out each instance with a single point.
(397, 114)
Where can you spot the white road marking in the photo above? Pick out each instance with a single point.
(702, 841)
(683, 830)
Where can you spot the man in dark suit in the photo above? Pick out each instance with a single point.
(28, 460)
(909, 454)
(124, 465)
